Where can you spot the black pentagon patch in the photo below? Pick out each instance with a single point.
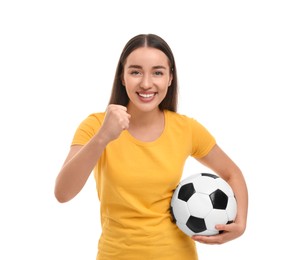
(219, 199)
(197, 225)
(210, 175)
(186, 191)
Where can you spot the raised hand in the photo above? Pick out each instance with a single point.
(116, 120)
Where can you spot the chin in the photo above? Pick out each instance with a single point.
(146, 107)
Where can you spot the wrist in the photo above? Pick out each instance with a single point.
(102, 139)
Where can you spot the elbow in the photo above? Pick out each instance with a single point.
(61, 193)
(61, 197)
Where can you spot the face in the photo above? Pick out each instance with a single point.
(146, 78)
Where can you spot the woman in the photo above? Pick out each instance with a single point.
(137, 149)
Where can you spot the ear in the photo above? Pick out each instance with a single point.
(170, 80)
(122, 80)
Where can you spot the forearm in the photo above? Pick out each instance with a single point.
(238, 184)
(77, 169)
(220, 163)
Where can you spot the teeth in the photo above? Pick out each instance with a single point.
(146, 95)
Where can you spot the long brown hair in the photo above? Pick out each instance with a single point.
(119, 95)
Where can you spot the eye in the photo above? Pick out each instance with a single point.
(158, 73)
(135, 72)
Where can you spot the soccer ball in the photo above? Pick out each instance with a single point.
(202, 201)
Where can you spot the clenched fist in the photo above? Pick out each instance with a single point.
(116, 120)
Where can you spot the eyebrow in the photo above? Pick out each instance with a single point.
(140, 67)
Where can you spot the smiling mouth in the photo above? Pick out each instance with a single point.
(146, 95)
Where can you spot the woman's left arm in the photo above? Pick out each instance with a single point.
(218, 161)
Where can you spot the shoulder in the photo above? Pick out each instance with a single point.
(186, 123)
(92, 122)
(88, 128)
(96, 118)
(175, 116)
(178, 118)
(201, 139)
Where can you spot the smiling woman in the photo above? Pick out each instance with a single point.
(146, 77)
(138, 148)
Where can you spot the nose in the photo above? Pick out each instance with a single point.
(146, 82)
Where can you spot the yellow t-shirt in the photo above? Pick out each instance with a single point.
(135, 181)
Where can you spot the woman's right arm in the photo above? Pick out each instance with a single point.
(81, 160)
(77, 169)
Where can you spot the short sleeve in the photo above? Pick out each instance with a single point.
(202, 140)
(87, 129)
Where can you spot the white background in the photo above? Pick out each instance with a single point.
(240, 66)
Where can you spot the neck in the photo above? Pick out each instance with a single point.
(141, 118)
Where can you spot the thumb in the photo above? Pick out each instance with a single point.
(221, 227)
